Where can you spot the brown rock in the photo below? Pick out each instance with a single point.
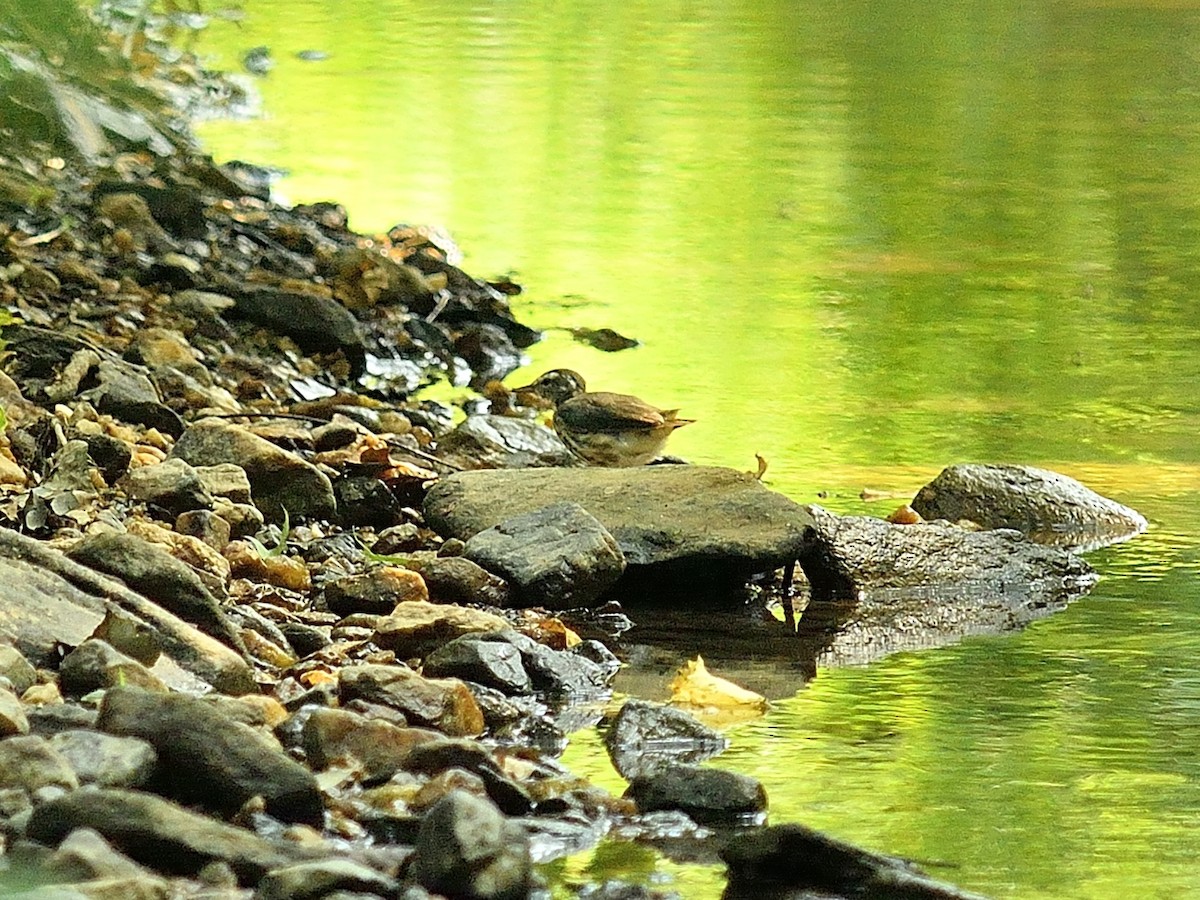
(446, 704)
(377, 591)
(416, 628)
(337, 737)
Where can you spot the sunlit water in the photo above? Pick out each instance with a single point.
(864, 240)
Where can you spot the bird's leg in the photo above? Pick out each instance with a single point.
(789, 600)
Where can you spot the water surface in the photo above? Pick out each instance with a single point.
(865, 241)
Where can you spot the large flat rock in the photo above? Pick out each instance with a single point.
(685, 522)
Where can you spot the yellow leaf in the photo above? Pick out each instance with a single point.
(695, 686)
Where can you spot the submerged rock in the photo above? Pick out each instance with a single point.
(646, 736)
(700, 525)
(1045, 506)
(709, 796)
(793, 861)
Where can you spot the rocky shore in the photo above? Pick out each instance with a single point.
(270, 627)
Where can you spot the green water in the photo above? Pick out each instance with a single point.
(863, 240)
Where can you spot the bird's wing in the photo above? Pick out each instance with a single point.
(602, 411)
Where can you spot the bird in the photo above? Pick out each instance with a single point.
(601, 428)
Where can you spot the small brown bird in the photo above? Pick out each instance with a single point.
(601, 428)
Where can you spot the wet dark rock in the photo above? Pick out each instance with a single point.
(340, 737)
(129, 395)
(178, 208)
(84, 855)
(106, 760)
(784, 860)
(596, 652)
(317, 324)
(320, 878)
(305, 639)
(646, 736)
(12, 714)
(94, 664)
(172, 485)
(1047, 507)
(445, 704)
(490, 663)
(155, 573)
(30, 763)
(375, 592)
(466, 848)
(206, 757)
(279, 480)
(445, 754)
(505, 443)
(555, 672)
(557, 557)
(454, 579)
(111, 456)
(364, 500)
(690, 523)
(489, 351)
(363, 277)
(850, 554)
(159, 834)
(709, 796)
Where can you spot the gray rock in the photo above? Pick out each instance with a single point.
(341, 737)
(442, 703)
(106, 760)
(318, 324)
(228, 480)
(155, 573)
(12, 714)
(847, 555)
(465, 848)
(207, 757)
(279, 479)
(205, 525)
(312, 880)
(455, 580)
(126, 632)
(1045, 506)
(558, 557)
(244, 519)
(492, 663)
(792, 860)
(84, 855)
(55, 718)
(435, 757)
(172, 484)
(127, 393)
(29, 762)
(709, 796)
(159, 834)
(16, 668)
(646, 736)
(503, 442)
(47, 599)
(555, 672)
(95, 664)
(691, 523)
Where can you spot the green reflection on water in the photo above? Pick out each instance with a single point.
(864, 240)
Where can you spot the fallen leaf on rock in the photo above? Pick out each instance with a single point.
(694, 685)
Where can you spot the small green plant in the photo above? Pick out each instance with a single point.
(385, 559)
(284, 530)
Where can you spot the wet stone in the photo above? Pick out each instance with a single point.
(416, 629)
(504, 443)
(207, 757)
(336, 737)
(647, 736)
(454, 579)
(445, 704)
(376, 592)
(555, 672)
(466, 848)
(557, 557)
(106, 760)
(709, 796)
(492, 663)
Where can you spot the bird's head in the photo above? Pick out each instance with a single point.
(554, 387)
